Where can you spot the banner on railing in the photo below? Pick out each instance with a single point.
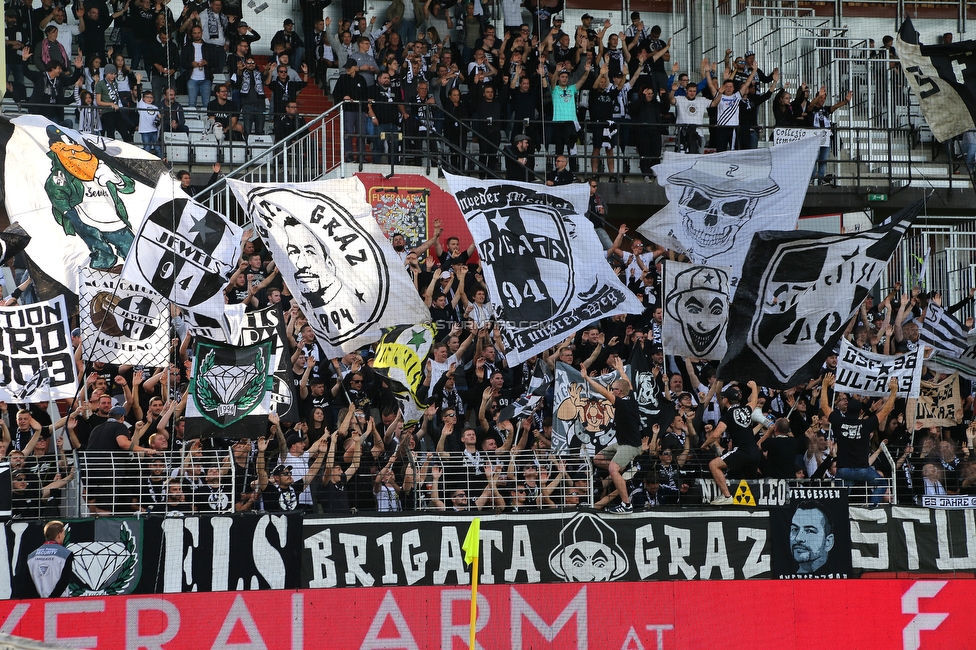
(812, 537)
(901, 538)
(163, 554)
(783, 135)
(543, 547)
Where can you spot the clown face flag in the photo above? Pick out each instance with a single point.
(798, 291)
(944, 79)
(717, 202)
(542, 261)
(36, 359)
(343, 272)
(696, 310)
(184, 251)
(80, 197)
(230, 390)
(121, 322)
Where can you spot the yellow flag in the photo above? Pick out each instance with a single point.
(472, 541)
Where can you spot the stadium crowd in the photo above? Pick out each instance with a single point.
(439, 73)
(351, 448)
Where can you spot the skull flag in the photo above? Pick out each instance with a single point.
(717, 202)
(944, 79)
(696, 310)
(543, 262)
(798, 292)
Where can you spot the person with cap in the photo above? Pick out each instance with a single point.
(852, 434)
(519, 160)
(240, 32)
(616, 457)
(586, 21)
(744, 457)
(352, 89)
(293, 454)
(290, 43)
(746, 64)
(109, 102)
(281, 492)
(51, 567)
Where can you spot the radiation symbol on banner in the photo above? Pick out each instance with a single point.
(743, 495)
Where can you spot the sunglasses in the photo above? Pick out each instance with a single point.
(450, 415)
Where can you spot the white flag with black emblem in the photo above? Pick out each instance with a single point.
(798, 292)
(341, 269)
(542, 261)
(717, 202)
(184, 251)
(696, 310)
(122, 322)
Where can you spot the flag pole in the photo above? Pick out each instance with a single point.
(472, 548)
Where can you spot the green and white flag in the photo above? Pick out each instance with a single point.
(230, 390)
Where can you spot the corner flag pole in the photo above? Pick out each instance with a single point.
(472, 547)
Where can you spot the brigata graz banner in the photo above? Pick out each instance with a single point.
(537, 547)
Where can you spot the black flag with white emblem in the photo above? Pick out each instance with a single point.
(798, 291)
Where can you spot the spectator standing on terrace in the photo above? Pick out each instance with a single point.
(564, 119)
(691, 112)
(614, 458)
(281, 492)
(853, 436)
(817, 116)
(744, 456)
(51, 566)
(351, 87)
(727, 117)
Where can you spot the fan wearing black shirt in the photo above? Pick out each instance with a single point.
(853, 436)
(282, 492)
(745, 455)
(614, 458)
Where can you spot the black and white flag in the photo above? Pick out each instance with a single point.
(865, 373)
(696, 310)
(80, 197)
(717, 202)
(652, 404)
(36, 358)
(122, 323)
(942, 332)
(184, 251)
(13, 240)
(798, 292)
(944, 79)
(341, 269)
(964, 363)
(542, 261)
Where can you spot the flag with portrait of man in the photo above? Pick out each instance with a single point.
(341, 269)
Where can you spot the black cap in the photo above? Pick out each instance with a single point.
(732, 394)
(350, 63)
(288, 21)
(586, 16)
(294, 438)
(280, 469)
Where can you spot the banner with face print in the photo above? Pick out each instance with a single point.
(341, 269)
(798, 291)
(717, 202)
(696, 310)
(542, 261)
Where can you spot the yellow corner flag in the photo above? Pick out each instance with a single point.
(472, 541)
(471, 548)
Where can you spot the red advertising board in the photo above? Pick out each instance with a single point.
(861, 614)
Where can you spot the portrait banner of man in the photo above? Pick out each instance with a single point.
(696, 310)
(340, 268)
(811, 537)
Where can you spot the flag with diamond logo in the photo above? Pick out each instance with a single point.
(230, 390)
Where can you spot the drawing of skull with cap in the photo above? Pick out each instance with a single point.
(699, 302)
(718, 198)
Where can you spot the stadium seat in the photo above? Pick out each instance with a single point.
(258, 143)
(176, 147)
(205, 149)
(195, 124)
(233, 153)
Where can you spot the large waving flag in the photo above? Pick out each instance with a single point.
(943, 79)
(696, 310)
(400, 357)
(798, 292)
(79, 197)
(542, 261)
(341, 269)
(185, 251)
(717, 202)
